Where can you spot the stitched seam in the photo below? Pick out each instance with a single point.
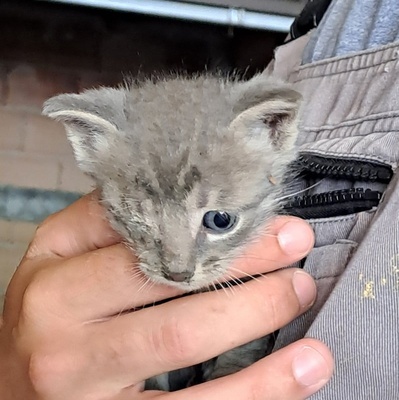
(347, 155)
(321, 74)
(353, 122)
(365, 135)
(319, 221)
(360, 54)
(315, 74)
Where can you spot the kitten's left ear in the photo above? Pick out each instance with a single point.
(267, 112)
(91, 119)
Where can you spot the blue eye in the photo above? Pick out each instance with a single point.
(219, 221)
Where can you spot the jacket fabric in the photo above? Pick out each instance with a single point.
(349, 140)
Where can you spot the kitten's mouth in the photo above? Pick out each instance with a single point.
(186, 281)
(187, 286)
(179, 280)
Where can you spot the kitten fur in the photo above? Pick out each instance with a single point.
(164, 152)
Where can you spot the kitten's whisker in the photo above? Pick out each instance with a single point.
(244, 257)
(237, 280)
(152, 284)
(125, 309)
(250, 257)
(136, 274)
(269, 234)
(231, 287)
(239, 271)
(299, 191)
(214, 287)
(222, 286)
(147, 280)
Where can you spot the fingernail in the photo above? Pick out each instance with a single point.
(304, 287)
(310, 367)
(295, 238)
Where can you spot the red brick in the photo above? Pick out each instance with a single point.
(21, 169)
(30, 86)
(45, 136)
(12, 129)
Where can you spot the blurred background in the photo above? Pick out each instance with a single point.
(51, 47)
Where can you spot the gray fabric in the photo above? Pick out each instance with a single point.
(351, 109)
(354, 25)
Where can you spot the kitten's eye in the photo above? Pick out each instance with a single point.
(219, 221)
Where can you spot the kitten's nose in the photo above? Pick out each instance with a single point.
(178, 276)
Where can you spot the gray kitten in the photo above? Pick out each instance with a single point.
(190, 170)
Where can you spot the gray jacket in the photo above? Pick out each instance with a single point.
(351, 115)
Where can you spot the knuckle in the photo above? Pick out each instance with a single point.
(280, 304)
(31, 300)
(274, 311)
(174, 343)
(34, 297)
(39, 233)
(44, 371)
(45, 224)
(52, 372)
(116, 351)
(267, 304)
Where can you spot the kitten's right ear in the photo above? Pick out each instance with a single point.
(91, 120)
(266, 112)
(264, 88)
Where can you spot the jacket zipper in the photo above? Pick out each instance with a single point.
(340, 168)
(338, 202)
(333, 204)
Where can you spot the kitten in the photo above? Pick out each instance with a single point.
(190, 170)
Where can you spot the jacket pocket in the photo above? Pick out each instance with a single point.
(326, 264)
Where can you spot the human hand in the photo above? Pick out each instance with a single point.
(64, 334)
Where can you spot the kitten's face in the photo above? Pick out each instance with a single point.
(184, 167)
(187, 225)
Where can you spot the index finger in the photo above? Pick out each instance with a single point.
(78, 229)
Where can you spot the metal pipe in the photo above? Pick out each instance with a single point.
(235, 17)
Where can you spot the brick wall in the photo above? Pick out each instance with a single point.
(50, 49)
(33, 149)
(47, 49)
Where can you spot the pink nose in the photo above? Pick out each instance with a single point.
(178, 276)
